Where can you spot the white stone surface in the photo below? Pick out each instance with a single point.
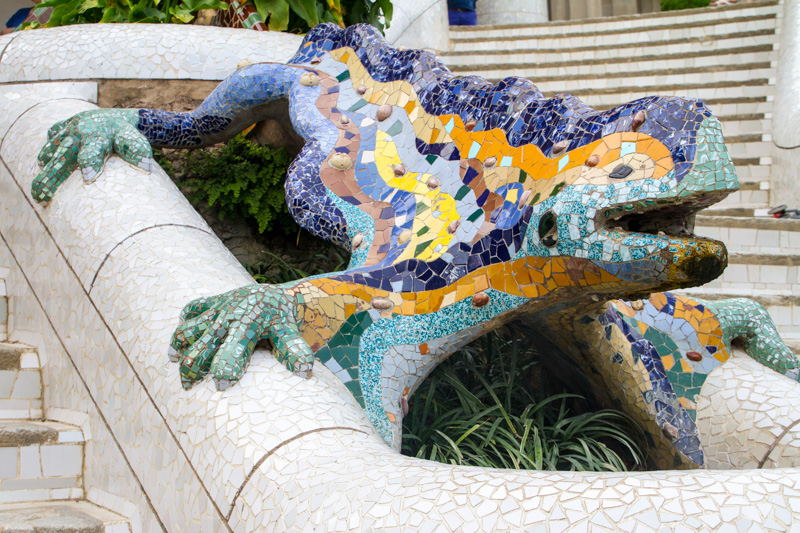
(420, 24)
(138, 51)
(743, 411)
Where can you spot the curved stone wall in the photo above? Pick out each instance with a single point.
(98, 279)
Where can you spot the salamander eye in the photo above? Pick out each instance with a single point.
(548, 229)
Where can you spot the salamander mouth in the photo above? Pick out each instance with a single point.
(674, 220)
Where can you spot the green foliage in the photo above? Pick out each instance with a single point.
(300, 15)
(276, 270)
(295, 15)
(672, 5)
(67, 12)
(479, 408)
(243, 179)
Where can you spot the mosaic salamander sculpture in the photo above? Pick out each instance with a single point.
(464, 204)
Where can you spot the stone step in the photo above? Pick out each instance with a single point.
(546, 54)
(751, 234)
(40, 461)
(753, 146)
(625, 23)
(750, 91)
(753, 199)
(648, 81)
(745, 124)
(20, 382)
(757, 271)
(529, 37)
(60, 517)
(756, 170)
(783, 307)
(730, 109)
(620, 65)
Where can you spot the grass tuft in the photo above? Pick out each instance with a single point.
(480, 408)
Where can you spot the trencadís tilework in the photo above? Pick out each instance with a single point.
(464, 204)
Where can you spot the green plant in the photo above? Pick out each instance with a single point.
(301, 15)
(295, 15)
(276, 270)
(672, 5)
(243, 179)
(479, 408)
(142, 11)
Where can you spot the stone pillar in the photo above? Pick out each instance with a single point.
(420, 24)
(559, 10)
(584, 9)
(649, 6)
(512, 11)
(624, 7)
(785, 182)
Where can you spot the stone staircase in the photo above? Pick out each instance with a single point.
(727, 57)
(41, 461)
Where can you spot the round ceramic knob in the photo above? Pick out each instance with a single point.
(638, 120)
(404, 237)
(480, 299)
(309, 79)
(694, 356)
(560, 146)
(344, 120)
(453, 226)
(489, 162)
(433, 182)
(244, 63)
(361, 89)
(357, 241)
(340, 161)
(316, 61)
(670, 431)
(593, 161)
(384, 112)
(382, 304)
(399, 170)
(470, 125)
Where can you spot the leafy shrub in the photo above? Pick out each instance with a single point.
(299, 16)
(243, 179)
(67, 12)
(294, 15)
(276, 270)
(672, 5)
(479, 408)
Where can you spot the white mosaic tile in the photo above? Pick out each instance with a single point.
(138, 51)
(748, 416)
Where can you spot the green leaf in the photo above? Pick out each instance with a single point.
(88, 4)
(64, 14)
(182, 15)
(196, 5)
(276, 12)
(306, 10)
